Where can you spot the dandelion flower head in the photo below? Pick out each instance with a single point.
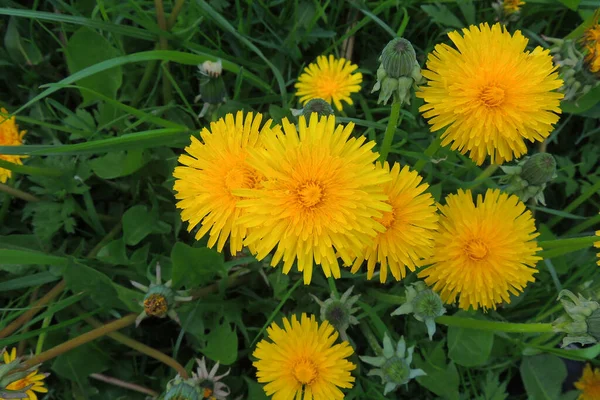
(320, 195)
(300, 361)
(589, 383)
(9, 136)
(330, 79)
(490, 94)
(211, 169)
(409, 226)
(512, 6)
(34, 378)
(591, 43)
(483, 251)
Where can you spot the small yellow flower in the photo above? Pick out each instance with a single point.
(320, 194)
(589, 383)
(33, 378)
(330, 79)
(9, 136)
(490, 94)
(597, 245)
(591, 42)
(409, 227)
(211, 170)
(482, 251)
(512, 6)
(301, 362)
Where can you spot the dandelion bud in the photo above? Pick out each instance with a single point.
(18, 381)
(582, 322)
(319, 106)
(398, 72)
(180, 389)
(529, 177)
(539, 169)
(393, 366)
(160, 299)
(338, 311)
(212, 86)
(424, 304)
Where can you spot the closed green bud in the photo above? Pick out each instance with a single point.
(180, 389)
(582, 321)
(213, 91)
(393, 365)
(398, 73)
(539, 169)
(319, 106)
(398, 58)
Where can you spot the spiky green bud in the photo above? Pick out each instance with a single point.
(529, 177)
(319, 106)
(398, 72)
(338, 311)
(425, 305)
(582, 322)
(393, 365)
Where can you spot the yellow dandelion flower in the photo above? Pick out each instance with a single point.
(9, 136)
(490, 94)
(592, 57)
(211, 170)
(482, 251)
(34, 379)
(302, 359)
(320, 194)
(597, 245)
(409, 227)
(512, 6)
(591, 42)
(589, 383)
(330, 79)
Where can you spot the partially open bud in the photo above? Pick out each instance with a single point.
(425, 305)
(529, 177)
(398, 72)
(212, 86)
(319, 106)
(209, 382)
(16, 379)
(393, 366)
(160, 299)
(338, 311)
(582, 322)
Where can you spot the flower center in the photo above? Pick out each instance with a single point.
(305, 371)
(240, 177)
(388, 219)
(477, 250)
(207, 393)
(329, 86)
(492, 96)
(18, 385)
(310, 194)
(156, 305)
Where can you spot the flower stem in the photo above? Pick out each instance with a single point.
(127, 385)
(18, 193)
(142, 348)
(552, 244)
(332, 287)
(81, 340)
(371, 339)
(164, 45)
(486, 173)
(388, 137)
(472, 323)
(429, 151)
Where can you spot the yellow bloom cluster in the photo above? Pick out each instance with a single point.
(591, 43)
(311, 192)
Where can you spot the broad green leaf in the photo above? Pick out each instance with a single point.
(81, 278)
(119, 164)
(23, 257)
(543, 376)
(255, 390)
(442, 377)
(77, 364)
(442, 15)
(114, 253)
(138, 223)
(195, 266)
(584, 103)
(469, 347)
(86, 48)
(222, 345)
(572, 4)
(20, 50)
(28, 281)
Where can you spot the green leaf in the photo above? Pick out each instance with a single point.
(119, 164)
(469, 347)
(572, 4)
(222, 345)
(28, 281)
(19, 49)
(86, 48)
(543, 376)
(114, 253)
(584, 103)
(442, 377)
(22, 257)
(195, 266)
(77, 364)
(255, 390)
(442, 15)
(138, 223)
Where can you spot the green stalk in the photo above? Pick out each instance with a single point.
(17, 193)
(493, 326)
(164, 45)
(429, 152)
(576, 203)
(486, 173)
(552, 244)
(371, 338)
(388, 137)
(332, 287)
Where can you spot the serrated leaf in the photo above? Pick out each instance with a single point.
(543, 376)
(195, 266)
(79, 363)
(469, 347)
(138, 223)
(222, 345)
